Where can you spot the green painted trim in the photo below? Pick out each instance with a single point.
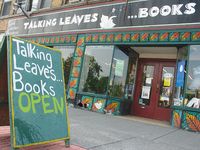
(184, 108)
(92, 94)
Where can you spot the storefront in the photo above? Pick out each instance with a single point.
(139, 58)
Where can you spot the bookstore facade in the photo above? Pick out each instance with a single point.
(138, 58)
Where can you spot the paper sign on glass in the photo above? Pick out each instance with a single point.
(146, 92)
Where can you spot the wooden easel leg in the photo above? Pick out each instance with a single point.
(67, 143)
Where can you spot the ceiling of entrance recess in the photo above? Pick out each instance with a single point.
(156, 52)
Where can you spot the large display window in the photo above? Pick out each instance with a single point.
(96, 69)
(109, 71)
(192, 95)
(187, 91)
(67, 56)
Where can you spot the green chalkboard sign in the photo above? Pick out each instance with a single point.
(36, 94)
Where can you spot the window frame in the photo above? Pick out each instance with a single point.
(3, 7)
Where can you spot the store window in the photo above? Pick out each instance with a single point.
(180, 76)
(33, 5)
(192, 95)
(73, 1)
(96, 69)
(67, 56)
(6, 7)
(118, 73)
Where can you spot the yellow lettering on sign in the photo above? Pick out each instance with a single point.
(33, 103)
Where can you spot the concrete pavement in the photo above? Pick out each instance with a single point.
(95, 131)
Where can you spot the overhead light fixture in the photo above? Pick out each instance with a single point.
(19, 6)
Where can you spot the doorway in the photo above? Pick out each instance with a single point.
(154, 87)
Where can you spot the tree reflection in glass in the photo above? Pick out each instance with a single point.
(96, 69)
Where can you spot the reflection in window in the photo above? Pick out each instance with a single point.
(118, 73)
(180, 76)
(67, 56)
(33, 5)
(166, 87)
(6, 7)
(192, 97)
(96, 69)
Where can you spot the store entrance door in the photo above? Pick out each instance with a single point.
(154, 86)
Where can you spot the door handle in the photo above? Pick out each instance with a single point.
(157, 87)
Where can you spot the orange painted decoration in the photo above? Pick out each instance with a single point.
(111, 107)
(193, 122)
(72, 83)
(95, 37)
(86, 101)
(135, 36)
(164, 36)
(174, 36)
(88, 38)
(103, 37)
(71, 94)
(75, 73)
(144, 36)
(73, 38)
(177, 120)
(154, 36)
(127, 36)
(79, 52)
(76, 62)
(196, 36)
(80, 42)
(186, 35)
(118, 37)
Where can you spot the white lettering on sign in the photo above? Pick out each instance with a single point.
(167, 10)
(42, 66)
(69, 20)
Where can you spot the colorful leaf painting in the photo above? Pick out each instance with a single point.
(154, 36)
(174, 36)
(77, 62)
(111, 106)
(75, 73)
(185, 36)
(118, 37)
(71, 93)
(86, 100)
(72, 83)
(79, 52)
(144, 36)
(196, 36)
(164, 36)
(73, 38)
(177, 119)
(88, 38)
(126, 37)
(135, 37)
(80, 41)
(193, 122)
(103, 37)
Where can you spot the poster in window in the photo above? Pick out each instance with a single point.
(167, 79)
(119, 67)
(146, 92)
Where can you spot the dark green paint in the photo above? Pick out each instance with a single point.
(40, 113)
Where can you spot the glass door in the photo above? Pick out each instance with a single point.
(153, 95)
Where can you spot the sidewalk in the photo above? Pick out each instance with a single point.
(5, 143)
(96, 131)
